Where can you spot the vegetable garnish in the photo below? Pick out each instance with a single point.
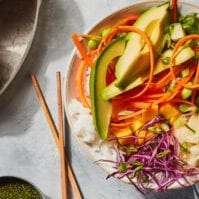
(81, 91)
(81, 49)
(157, 161)
(148, 90)
(190, 23)
(192, 130)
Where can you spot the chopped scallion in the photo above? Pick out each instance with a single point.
(162, 154)
(192, 130)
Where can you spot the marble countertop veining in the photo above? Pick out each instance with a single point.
(27, 148)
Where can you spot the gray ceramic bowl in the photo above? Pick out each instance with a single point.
(18, 20)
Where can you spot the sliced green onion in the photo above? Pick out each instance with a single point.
(183, 147)
(190, 23)
(165, 127)
(122, 167)
(131, 149)
(155, 129)
(138, 168)
(123, 34)
(145, 179)
(192, 130)
(136, 163)
(162, 154)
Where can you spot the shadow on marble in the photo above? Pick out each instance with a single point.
(68, 151)
(51, 42)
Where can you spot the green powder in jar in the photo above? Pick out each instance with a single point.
(18, 190)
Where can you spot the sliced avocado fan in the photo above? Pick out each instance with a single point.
(102, 109)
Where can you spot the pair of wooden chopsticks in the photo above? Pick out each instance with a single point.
(66, 170)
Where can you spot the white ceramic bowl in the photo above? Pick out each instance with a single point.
(94, 147)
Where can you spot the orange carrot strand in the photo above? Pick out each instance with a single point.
(132, 115)
(179, 100)
(90, 36)
(127, 19)
(81, 49)
(174, 10)
(80, 87)
(178, 44)
(120, 125)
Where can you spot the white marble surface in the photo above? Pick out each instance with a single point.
(27, 148)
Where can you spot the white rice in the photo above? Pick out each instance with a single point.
(84, 129)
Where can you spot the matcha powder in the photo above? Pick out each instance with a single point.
(18, 190)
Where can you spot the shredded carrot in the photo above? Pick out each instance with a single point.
(181, 41)
(162, 99)
(168, 96)
(168, 77)
(80, 87)
(90, 36)
(93, 52)
(154, 96)
(174, 10)
(81, 49)
(120, 125)
(132, 115)
(141, 105)
(179, 100)
(126, 20)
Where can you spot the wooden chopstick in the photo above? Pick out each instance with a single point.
(54, 133)
(45, 108)
(61, 136)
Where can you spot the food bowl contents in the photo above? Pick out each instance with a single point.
(138, 82)
(11, 187)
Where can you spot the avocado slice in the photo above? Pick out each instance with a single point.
(184, 54)
(135, 59)
(102, 109)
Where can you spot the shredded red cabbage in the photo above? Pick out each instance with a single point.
(156, 162)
